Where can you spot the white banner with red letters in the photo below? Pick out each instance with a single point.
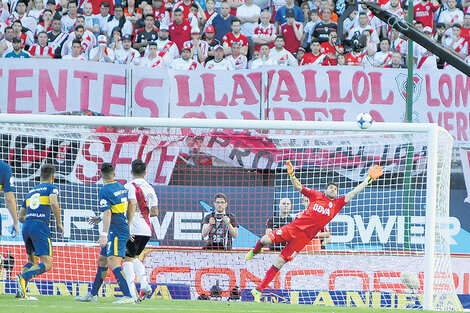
(289, 93)
(319, 271)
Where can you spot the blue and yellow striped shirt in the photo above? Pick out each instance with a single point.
(113, 196)
(6, 178)
(37, 202)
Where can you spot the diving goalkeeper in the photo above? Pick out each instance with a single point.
(323, 207)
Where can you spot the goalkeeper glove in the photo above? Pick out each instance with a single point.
(290, 169)
(374, 173)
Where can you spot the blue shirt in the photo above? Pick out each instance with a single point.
(6, 178)
(21, 55)
(113, 196)
(38, 203)
(221, 26)
(281, 15)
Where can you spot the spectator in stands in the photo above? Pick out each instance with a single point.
(91, 22)
(325, 4)
(127, 55)
(51, 5)
(364, 25)
(116, 40)
(384, 56)
(180, 29)
(350, 22)
(306, 11)
(466, 27)
(87, 34)
(211, 41)
(457, 44)
(37, 9)
(292, 31)
(341, 60)
(238, 60)
(277, 221)
(146, 11)
(323, 29)
(152, 60)
(41, 50)
(199, 48)
(452, 15)
(279, 54)
(132, 13)
(144, 36)
(396, 61)
(309, 27)
(265, 32)
(234, 4)
(102, 53)
(300, 54)
(77, 34)
(220, 226)
(222, 22)
(6, 44)
(264, 59)
(315, 57)
(104, 15)
(281, 17)
(398, 44)
(17, 52)
(374, 22)
(56, 37)
(249, 15)
(210, 11)
(45, 22)
(69, 20)
(186, 62)
(219, 62)
(196, 15)
(331, 48)
(167, 49)
(184, 6)
(440, 35)
(118, 21)
(160, 12)
(421, 56)
(424, 12)
(26, 36)
(20, 10)
(76, 52)
(235, 36)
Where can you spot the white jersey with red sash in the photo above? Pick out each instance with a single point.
(37, 50)
(146, 198)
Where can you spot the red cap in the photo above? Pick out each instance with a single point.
(210, 29)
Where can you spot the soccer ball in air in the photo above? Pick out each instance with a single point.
(410, 280)
(364, 120)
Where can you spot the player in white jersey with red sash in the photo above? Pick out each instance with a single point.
(141, 230)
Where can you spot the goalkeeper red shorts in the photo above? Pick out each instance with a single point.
(295, 238)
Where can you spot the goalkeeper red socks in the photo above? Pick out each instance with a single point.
(257, 248)
(270, 274)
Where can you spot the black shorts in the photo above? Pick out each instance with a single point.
(135, 248)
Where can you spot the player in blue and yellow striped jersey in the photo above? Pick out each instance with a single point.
(117, 217)
(35, 215)
(7, 184)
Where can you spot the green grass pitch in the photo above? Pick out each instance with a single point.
(67, 304)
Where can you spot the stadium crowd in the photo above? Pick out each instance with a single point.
(234, 34)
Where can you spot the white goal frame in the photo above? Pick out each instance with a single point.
(433, 131)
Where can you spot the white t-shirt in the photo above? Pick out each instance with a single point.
(224, 64)
(246, 12)
(139, 225)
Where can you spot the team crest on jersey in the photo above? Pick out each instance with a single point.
(330, 204)
(279, 232)
(185, 27)
(103, 202)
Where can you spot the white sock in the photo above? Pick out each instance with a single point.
(130, 277)
(140, 271)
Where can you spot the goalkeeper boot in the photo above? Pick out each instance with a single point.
(88, 297)
(125, 300)
(21, 287)
(250, 254)
(256, 295)
(144, 294)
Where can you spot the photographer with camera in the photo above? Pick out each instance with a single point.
(220, 226)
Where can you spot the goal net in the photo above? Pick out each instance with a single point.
(388, 247)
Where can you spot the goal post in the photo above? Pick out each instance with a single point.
(375, 257)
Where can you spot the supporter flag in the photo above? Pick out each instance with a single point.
(465, 158)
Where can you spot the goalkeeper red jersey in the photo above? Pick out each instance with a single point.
(319, 213)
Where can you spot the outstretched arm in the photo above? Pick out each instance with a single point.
(374, 172)
(295, 182)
